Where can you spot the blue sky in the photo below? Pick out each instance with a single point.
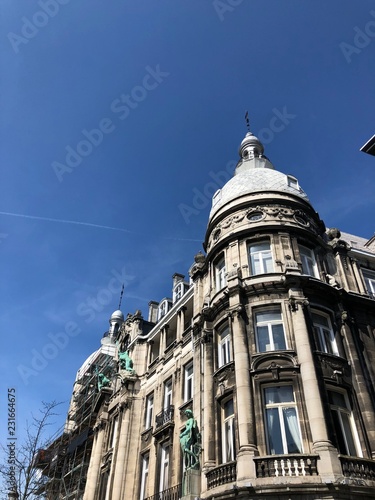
(152, 95)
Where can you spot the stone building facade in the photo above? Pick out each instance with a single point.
(269, 344)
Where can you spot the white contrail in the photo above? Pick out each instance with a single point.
(66, 221)
(89, 224)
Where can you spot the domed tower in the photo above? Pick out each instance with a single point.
(278, 383)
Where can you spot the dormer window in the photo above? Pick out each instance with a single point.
(292, 182)
(178, 292)
(163, 309)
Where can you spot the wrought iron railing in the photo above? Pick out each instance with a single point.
(164, 416)
(286, 465)
(173, 493)
(361, 468)
(223, 474)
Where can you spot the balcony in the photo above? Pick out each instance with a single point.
(286, 465)
(225, 473)
(358, 468)
(164, 424)
(173, 493)
(164, 417)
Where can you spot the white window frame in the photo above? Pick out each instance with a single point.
(224, 347)
(162, 309)
(369, 277)
(188, 381)
(149, 411)
(347, 411)
(308, 261)
(178, 291)
(144, 476)
(260, 253)
(220, 274)
(270, 323)
(325, 333)
(280, 407)
(293, 182)
(228, 440)
(167, 401)
(164, 467)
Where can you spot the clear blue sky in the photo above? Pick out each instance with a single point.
(71, 226)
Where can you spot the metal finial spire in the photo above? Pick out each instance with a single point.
(247, 121)
(121, 294)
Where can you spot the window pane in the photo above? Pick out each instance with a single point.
(229, 445)
(255, 264)
(278, 337)
(351, 449)
(337, 399)
(339, 433)
(279, 394)
(268, 316)
(267, 263)
(263, 338)
(228, 408)
(275, 443)
(292, 434)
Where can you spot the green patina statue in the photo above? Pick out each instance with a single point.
(126, 363)
(103, 381)
(190, 440)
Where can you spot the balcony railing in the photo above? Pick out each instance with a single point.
(164, 416)
(226, 473)
(358, 467)
(173, 493)
(275, 466)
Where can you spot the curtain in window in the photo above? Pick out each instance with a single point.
(293, 438)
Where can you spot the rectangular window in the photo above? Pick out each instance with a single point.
(228, 436)
(369, 278)
(164, 468)
(149, 411)
(114, 428)
(282, 425)
(346, 432)
(308, 261)
(188, 382)
(144, 476)
(167, 394)
(220, 275)
(325, 333)
(260, 258)
(292, 182)
(224, 347)
(269, 330)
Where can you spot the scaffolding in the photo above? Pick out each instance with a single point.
(64, 463)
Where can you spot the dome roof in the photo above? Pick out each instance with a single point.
(118, 315)
(255, 179)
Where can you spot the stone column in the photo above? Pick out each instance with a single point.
(363, 396)
(245, 408)
(208, 402)
(122, 449)
(330, 467)
(94, 467)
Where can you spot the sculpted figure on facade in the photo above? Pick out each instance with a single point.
(190, 440)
